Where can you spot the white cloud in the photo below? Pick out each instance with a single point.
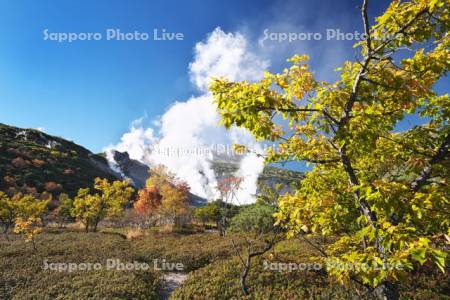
(227, 55)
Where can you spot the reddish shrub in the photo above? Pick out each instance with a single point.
(9, 181)
(52, 186)
(13, 151)
(38, 162)
(19, 162)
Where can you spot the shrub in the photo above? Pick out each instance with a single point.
(19, 162)
(254, 218)
(52, 186)
(38, 162)
(208, 213)
(134, 233)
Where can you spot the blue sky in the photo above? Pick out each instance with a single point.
(90, 91)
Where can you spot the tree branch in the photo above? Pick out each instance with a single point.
(402, 30)
(441, 154)
(297, 109)
(366, 26)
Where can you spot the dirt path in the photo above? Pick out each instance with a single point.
(171, 282)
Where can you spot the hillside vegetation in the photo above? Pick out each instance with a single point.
(32, 159)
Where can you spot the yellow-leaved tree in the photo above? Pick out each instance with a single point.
(29, 212)
(108, 200)
(8, 213)
(384, 194)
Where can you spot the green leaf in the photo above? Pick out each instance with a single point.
(419, 255)
(438, 258)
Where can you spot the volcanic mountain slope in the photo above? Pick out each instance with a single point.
(32, 159)
(130, 168)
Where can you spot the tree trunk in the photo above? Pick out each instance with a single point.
(221, 226)
(5, 232)
(387, 291)
(33, 242)
(245, 274)
(364, 207)
(247, 263)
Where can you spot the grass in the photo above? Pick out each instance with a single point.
(22, 275)
(213, 269)
(220, 280)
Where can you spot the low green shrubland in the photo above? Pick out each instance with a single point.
(208, 258)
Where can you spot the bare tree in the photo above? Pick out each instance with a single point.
(253, 250)
(228, 188)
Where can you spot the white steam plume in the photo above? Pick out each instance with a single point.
(193, 125)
